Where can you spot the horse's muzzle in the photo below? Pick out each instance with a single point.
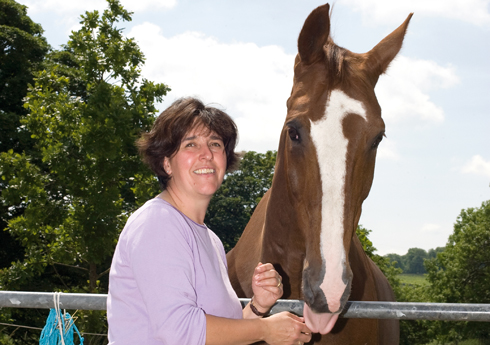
(314, 295)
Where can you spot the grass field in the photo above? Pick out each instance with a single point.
(413, 279)
(463, 342)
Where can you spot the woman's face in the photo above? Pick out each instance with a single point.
(199, 166)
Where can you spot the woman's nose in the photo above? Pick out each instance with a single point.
(205, 152)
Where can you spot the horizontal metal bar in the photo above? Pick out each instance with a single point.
(353, 309)
(399, 310)
(44, 300)
(418, 311)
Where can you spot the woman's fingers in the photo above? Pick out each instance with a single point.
(263, 267)
(265, 274)
(299, 319)
(273, 290)
(286, 328)
(304, 333)
(305, 337)
(268, 281)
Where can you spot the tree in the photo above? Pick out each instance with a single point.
(385, 265)
(85, 111)
(233, 204)
(22, 50)
(414, 331)
(397, 260)
(461, 273)
(432, 253)
(414, 261)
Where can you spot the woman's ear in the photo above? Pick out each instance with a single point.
(166, 166)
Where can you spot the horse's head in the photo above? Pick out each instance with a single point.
(327, 155)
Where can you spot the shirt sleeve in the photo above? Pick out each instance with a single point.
(161, 257)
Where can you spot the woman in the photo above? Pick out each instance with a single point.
(168, 280)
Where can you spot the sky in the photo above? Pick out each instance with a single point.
(435, 97)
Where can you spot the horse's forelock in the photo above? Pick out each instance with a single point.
(346, 70)
(334, 61)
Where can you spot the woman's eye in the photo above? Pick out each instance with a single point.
(216, 145)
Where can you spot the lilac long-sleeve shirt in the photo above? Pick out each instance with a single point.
(167, 273)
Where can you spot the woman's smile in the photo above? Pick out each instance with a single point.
(204, 171)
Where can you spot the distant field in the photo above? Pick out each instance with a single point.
(413, 279)
(463, 342)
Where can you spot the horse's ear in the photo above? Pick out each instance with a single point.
(379, 58)
(314, 35)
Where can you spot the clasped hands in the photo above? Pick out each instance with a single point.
(285, 328)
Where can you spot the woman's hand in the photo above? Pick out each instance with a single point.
(286, 328)
(267, 287)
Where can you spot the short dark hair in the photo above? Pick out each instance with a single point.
(177, 120)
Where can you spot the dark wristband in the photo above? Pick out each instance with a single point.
(254, 309)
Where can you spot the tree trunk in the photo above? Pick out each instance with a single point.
(92, 274)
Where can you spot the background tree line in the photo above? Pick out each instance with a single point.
(70, 177)
(414, 261)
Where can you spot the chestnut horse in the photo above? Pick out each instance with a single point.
(305, 224)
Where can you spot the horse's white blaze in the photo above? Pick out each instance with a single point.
(331, 148)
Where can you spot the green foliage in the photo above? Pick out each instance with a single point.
(69, 197)
(461, 274)
(411, 332)
(233, 204)
(385, 265)
(22, 49)
(413, 261)
(397, 260)
(414, 288)
(432, 253)
(414, 331)
(363, 233)
(77, 206)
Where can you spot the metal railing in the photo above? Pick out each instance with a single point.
(353, 309)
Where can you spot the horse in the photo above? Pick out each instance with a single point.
(305, 223)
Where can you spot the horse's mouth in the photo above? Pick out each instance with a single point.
(319, 322)
(320, 313)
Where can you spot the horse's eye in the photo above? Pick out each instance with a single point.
(293, 134)
(377, 141)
